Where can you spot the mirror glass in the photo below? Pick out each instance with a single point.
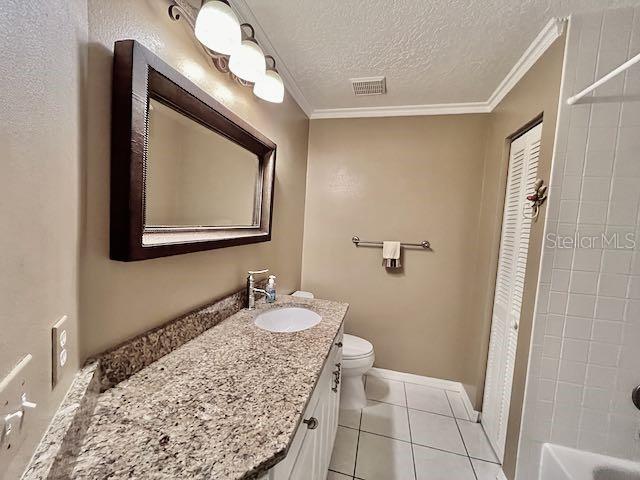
(196, 177)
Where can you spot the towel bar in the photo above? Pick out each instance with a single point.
(424, 244)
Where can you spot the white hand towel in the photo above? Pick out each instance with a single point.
(391, 250)
(391, 254)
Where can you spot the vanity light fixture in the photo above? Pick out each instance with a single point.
(247, 61)
(270, 87)
(219, 34)
(217, 27)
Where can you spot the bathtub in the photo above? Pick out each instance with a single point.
(562, 463)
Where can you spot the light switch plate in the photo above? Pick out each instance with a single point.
(12, 387)
(59, 350)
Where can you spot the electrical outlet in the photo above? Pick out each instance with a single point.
(15, 409)
(59, 350)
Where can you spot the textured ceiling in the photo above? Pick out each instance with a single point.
(431, 51)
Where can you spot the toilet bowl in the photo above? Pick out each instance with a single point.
(357, 359)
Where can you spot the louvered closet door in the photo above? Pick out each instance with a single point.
(507, 304)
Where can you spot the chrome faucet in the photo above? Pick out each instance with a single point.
(252, 290)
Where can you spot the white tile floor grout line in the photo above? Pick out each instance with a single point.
(418, 444)
(485, 460)
(344, 474)
(386, 436)
(355, 463)
(350, 428)
(411, 441)
(462, 437)
(422, 410)
(413, 457)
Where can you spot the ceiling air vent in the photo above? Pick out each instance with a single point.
(369, 86)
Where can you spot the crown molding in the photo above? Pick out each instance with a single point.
(540, 44)
(534, 51)
(245, 14)
(552, 30)
(402, 111)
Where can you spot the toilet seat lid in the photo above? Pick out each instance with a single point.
(355, 347)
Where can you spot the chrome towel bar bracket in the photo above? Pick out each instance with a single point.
(423, 244)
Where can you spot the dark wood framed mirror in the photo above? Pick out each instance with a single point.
(186, 173)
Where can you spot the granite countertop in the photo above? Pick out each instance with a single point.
(224, 405)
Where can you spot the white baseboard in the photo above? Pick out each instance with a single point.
(474, 415)
(429, 382)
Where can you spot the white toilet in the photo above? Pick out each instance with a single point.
(357, 360)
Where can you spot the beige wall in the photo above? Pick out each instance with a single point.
(408, 179)
(120, 300)
(536, 94)
(41, 72)
(56, 123)
(438, 178)
(426, 319)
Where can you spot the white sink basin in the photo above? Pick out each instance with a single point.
(289, 319)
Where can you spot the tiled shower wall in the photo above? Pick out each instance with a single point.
(585, 356)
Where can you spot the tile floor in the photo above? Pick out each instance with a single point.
(410, 432)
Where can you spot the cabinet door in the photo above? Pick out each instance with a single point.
(326, 431)
(313, 456)
(333, 406)
(335, 411)
(304, 467)
(308, 465)
(330, 411)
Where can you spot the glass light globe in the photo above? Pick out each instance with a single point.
(247, 61)
(218, 28)
(270, 87)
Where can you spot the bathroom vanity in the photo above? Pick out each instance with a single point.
(310, 451)
(223, 392)
(209, 395)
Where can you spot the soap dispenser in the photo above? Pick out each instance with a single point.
(271, 289)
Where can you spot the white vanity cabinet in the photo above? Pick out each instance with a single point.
(310, 452)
